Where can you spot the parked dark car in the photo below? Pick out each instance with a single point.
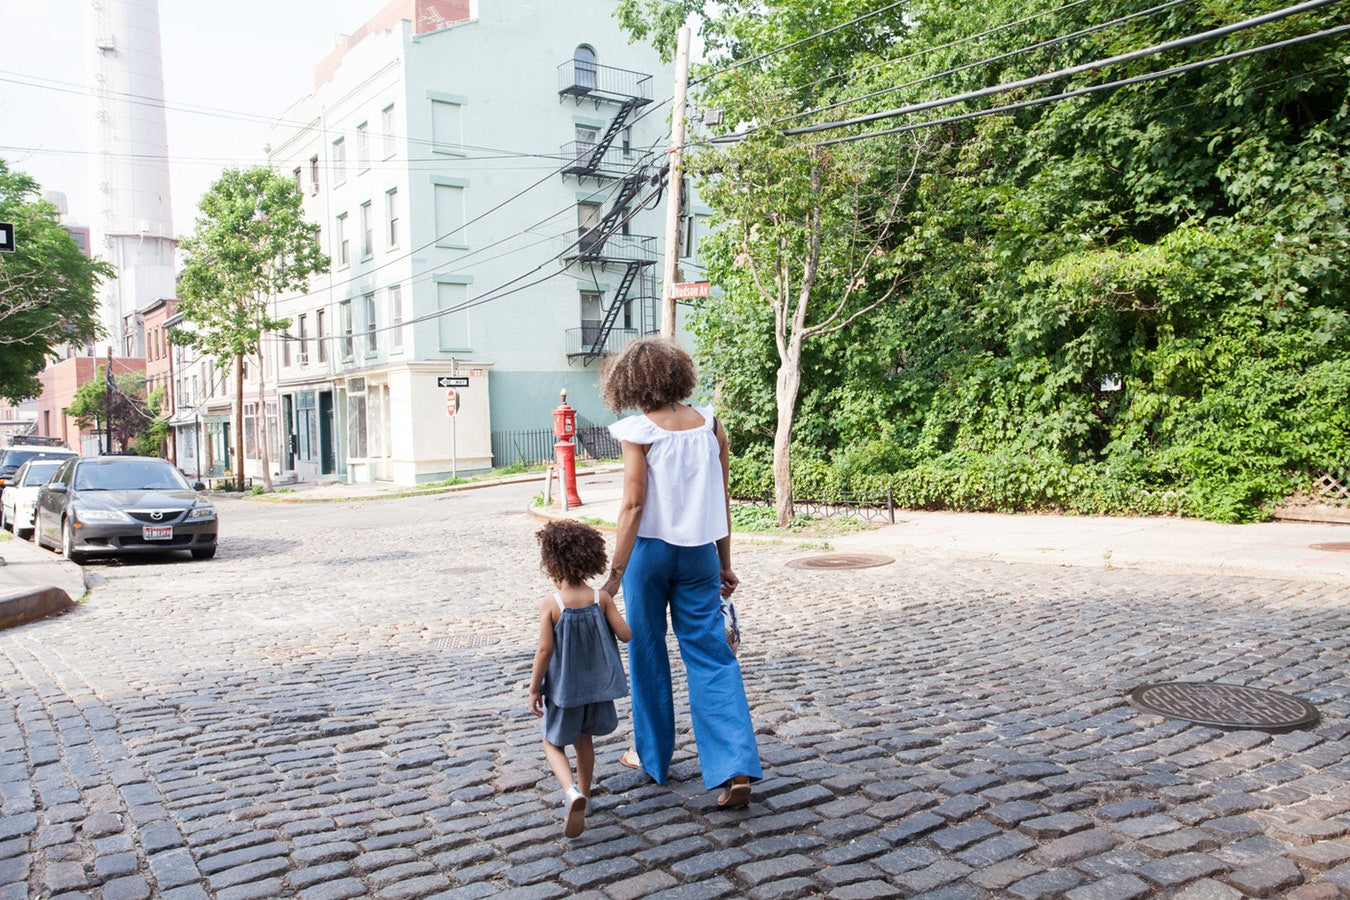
(113, 505)
(23, 447)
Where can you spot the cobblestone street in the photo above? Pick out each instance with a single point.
(336, 707)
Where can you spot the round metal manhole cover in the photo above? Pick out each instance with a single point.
(464, 642)
(1341, 546)
(840, 561)
(1224, 705)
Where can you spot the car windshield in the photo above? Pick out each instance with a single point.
(39, 473)
(129, 475)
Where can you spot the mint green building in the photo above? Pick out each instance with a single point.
(486, 177)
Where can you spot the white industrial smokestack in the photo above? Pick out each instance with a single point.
(132, 213)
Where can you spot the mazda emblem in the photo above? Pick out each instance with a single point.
(157, 515)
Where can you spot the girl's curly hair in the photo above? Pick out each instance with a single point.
(571, 552)
(646, 375)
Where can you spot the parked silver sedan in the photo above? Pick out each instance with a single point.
(113, 505)
(19, 496)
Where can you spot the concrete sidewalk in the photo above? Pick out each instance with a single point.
(34, 582)
(1280, 550)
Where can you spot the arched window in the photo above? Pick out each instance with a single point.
(584, 66)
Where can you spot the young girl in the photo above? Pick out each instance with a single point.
(577, 672)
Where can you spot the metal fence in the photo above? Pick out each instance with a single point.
(869, 506)
(534, 446)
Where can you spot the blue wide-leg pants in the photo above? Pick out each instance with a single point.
(687, 581)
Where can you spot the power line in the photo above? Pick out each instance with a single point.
(783, 49)
(1041, 45)
(1138, 79)
(956, 42)
(1051, 76)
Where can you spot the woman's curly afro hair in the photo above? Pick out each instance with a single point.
(646, 375)
(571, 552)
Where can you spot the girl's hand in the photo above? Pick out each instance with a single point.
(536, 702)
(729, 582)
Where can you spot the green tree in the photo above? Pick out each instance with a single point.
(135, 417)
(251, 242)
(48, 288)
(1182, 237)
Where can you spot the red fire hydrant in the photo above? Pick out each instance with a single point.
(565, 429)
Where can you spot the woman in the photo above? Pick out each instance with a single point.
(673, 551)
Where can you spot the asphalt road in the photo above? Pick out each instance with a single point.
(336, 707)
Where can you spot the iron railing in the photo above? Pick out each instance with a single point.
(582, 79)
(870, 506)
(581, 341)
(614, 162)
(617, 248)
(533, 446)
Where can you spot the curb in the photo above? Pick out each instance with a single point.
(411, 491)
(20, 607)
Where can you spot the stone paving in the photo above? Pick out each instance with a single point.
(335, 707)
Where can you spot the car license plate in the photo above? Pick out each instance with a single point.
(158, 532)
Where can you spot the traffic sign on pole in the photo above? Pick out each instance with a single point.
(451, 402)
(452, 381)
(6, 237)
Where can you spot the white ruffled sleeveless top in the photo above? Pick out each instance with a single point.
(686, 499)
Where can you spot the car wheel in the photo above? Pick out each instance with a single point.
(4, 522)
(68, 543)
(203, 552)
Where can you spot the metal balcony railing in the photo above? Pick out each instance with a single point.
(618, 248)
(581, 79)
(612, 162)
(581, 341)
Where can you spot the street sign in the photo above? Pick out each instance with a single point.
(451, 402)
(683, 290)
(6, 237)
(452, 381)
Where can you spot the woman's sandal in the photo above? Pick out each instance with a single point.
(630, 759)
(736, 795)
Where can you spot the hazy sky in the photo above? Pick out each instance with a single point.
(236, 60)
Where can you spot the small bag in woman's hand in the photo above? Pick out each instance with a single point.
(733, 625)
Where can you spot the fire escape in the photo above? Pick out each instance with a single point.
(606, 244)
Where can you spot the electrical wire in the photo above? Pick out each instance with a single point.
(1060, 73)
(1111, 85)
(1041, 45)
(783, 49)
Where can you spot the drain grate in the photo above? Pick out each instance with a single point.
(840, 561)
(464, 642)
(1342, 546)
(1224, 705)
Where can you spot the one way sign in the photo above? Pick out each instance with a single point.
(6, 237)
(452, 381)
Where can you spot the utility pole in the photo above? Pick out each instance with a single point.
(108, 399)
(675, 184)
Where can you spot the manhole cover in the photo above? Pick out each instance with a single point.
(464, 642)
(840, 561)
(1224, 705)
(1342, 546)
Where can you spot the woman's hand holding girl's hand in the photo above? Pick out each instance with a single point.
(536, 702)
(729, 582)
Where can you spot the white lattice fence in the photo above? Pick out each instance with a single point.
(1332, 488)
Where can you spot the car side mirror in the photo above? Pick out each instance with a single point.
(198, 486)
(56, 487)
